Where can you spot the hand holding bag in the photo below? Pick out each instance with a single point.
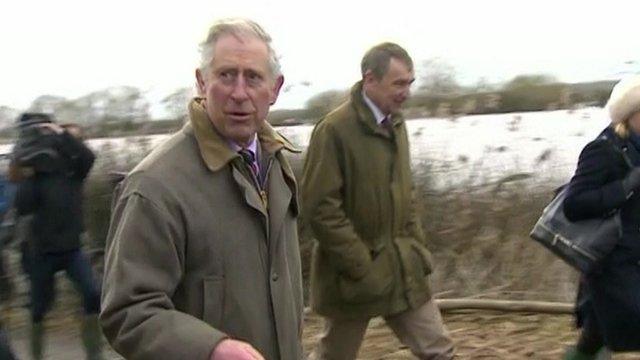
(581, 244)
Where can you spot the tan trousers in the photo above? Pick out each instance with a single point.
(419, 329)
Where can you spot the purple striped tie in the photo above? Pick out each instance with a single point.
(250, 160)
(387, 125)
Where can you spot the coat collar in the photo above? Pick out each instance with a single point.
(214, 150)
(365, 115)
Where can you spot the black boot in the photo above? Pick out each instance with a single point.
(92, 337)
(574, 354)
(37, 340)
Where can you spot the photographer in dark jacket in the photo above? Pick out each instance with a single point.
(6, 285)
(608, 306)
(52, 193)
(6, 289)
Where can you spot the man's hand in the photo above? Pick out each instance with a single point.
(229, 349)
(53, 127)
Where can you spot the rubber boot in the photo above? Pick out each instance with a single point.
(37, 340)
(92, 337)
(574, 354)
(603, 354)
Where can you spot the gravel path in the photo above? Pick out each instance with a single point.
(477, 335)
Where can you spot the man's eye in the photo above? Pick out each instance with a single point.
(225, 75)
(254, 78)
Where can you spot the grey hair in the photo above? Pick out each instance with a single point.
(236, 27)
(378, 57)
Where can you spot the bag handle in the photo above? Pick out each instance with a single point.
(617, 149)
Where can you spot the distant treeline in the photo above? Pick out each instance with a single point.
(514, 98)
(124, 111)
(523, 93)
(115, 129)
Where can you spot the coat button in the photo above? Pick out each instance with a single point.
(274, 277)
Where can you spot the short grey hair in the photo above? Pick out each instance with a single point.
(378, 57)
(237, 27)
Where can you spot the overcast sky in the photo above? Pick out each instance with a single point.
(69, 48)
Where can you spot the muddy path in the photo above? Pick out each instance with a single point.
(477, 335)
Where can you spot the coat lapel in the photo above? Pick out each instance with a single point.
(216, 154)
(249, 192)
(365, 115)
(280, 199)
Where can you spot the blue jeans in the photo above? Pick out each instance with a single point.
(43, 269)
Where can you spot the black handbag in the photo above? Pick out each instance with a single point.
(584, 243)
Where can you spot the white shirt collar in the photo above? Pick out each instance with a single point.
(253, 145)
(377, 113)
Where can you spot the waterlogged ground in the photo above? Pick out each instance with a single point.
(477, 335)
(467, 150)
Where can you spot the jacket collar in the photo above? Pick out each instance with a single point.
(623, 146)
(214, 149)
(365, 115)
(377, 113)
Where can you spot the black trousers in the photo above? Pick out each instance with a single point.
(5, 347)
(590, 340)
(75, 264)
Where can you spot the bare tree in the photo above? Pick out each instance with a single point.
(529, 80)
(61, 108)
(114, 104)
(176, 103)
(438, 77)
(47, 104)
(8, 116)
(326, 101)
(126, 103)
(483, 85)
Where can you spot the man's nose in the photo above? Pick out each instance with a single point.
(406, 92)
(239, 92)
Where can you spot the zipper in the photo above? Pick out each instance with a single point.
(261, 187)
(263, 196)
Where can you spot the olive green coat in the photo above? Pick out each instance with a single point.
(370, 258)
(194, 256)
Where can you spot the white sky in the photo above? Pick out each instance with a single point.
(69, 48)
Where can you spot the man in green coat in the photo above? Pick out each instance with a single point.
(370, 257)
(202, 257)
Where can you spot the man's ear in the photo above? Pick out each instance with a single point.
(200, 83)
(277, 85)
(368, 77)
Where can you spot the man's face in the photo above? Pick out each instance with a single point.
(238, 87)
(393, 89)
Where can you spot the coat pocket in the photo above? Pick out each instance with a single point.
(416, 259)
(375, 284)
(213, 301)
(424, 257)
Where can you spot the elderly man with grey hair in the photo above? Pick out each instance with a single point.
(202, 257)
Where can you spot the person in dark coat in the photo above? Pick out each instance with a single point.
(6, 290)
(6, 286)
(53, 195)
(608, 304)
